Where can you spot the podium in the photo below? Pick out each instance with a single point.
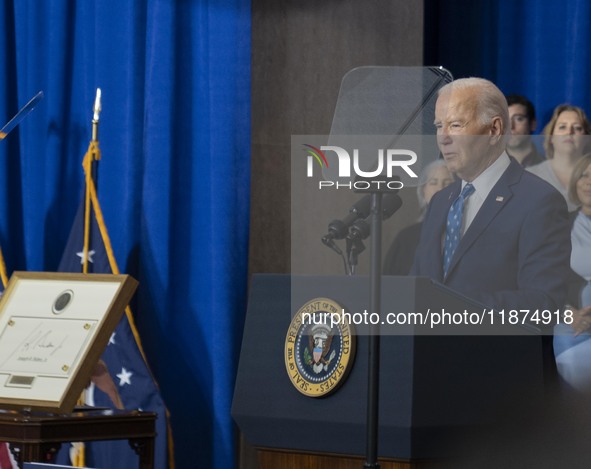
(433, 388)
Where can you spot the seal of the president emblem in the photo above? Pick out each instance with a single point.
(319, 348)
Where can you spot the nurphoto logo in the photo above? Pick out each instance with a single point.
(386, 165)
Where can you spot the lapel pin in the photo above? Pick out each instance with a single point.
(500, 198)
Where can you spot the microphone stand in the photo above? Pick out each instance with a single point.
(358, 231)
(375, 288)
(328, 241)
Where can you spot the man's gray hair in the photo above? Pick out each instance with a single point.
(491, 102)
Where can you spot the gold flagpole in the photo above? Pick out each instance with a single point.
(78, 452)
(92, 205)
(93, 154)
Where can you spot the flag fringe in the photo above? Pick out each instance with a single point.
(3, 274)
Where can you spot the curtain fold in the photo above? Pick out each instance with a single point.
(173, 180)
(537, 49)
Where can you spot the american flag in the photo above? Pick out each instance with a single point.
(123, 357)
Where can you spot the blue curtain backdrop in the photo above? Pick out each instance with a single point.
(173, 180)
(540, 49)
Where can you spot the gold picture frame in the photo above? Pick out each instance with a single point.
(53, 329)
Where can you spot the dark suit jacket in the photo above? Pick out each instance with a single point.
(401, 253)
(516, 252)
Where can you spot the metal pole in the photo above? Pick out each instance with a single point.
(375, 287)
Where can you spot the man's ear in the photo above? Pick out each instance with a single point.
(496, 130)
(496, 126)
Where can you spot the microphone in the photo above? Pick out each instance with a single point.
(338, 229)
(360, 228)
(390, 205)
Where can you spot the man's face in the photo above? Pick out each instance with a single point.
(464, 141)
(521, 126)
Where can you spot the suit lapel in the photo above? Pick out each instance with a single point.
(496, 200)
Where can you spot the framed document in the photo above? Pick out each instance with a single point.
(53, 329)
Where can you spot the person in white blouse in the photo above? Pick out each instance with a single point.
(572, 344)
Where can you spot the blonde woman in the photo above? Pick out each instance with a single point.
(565, 141)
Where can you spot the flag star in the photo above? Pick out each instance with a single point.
(90, 254)
(112, 339)
(124, 377)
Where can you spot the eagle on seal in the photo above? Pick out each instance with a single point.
(319, 342)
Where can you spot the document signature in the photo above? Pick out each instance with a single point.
(39, 345)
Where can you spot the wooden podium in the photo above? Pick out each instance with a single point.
(434, 389)
(272, 459)
(36, 436)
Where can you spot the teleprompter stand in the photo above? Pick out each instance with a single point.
(398, 102)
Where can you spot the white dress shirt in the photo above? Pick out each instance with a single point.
(483, 184)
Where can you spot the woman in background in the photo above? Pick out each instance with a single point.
(572, 347)
(401, 254)
(564, 143)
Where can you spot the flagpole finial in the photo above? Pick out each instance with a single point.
(95, 118)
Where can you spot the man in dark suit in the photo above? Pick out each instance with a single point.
(498, 234)
(511, 246)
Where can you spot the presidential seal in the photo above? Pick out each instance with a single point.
(62, 301)
(319, 348)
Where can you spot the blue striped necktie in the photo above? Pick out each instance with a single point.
(453, 230)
